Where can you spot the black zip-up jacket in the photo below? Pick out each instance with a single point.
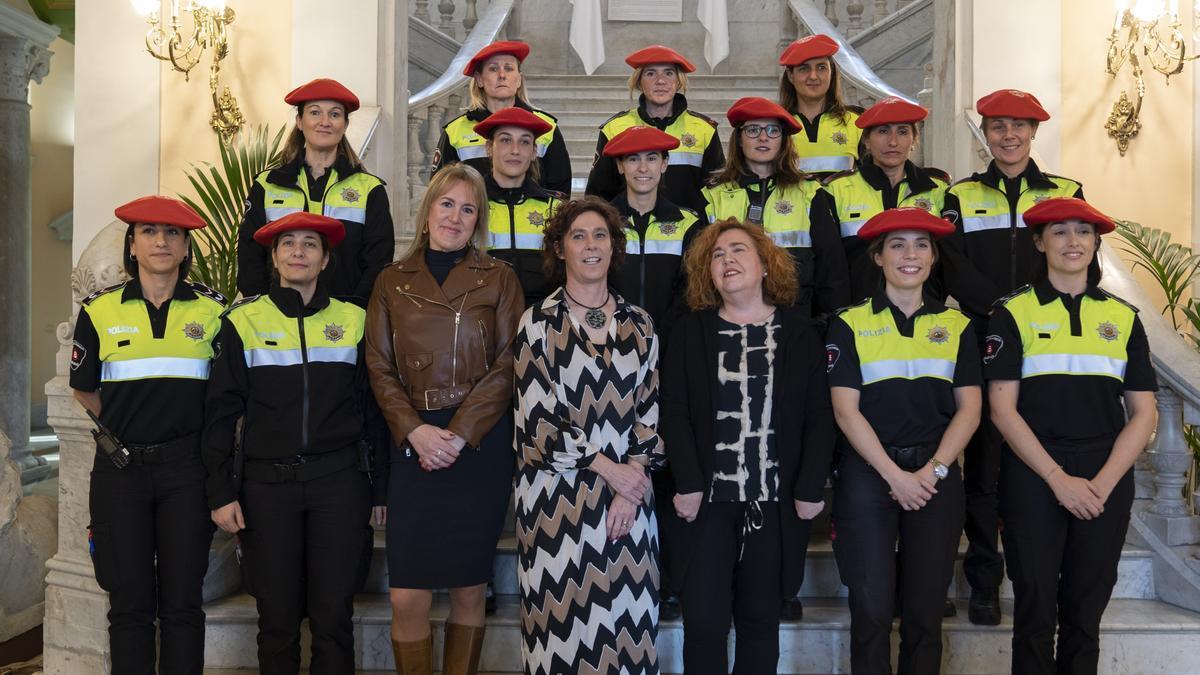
(681, 184)
(292, 410)
(526, 262)
(656, 282)
(981, 265)
(353, 265)
(554, 167)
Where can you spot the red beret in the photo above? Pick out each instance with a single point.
(1012, 103)
(512, 117)
(811, 47)
(332, 228)
(520, 50)
(323, 89)
(754, 108)
(160, 211)
(658, 54)
(639, 139)
(1059, 209)
(891, 110)
(905, 218)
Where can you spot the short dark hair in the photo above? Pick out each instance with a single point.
(131, 267)
(560, 223)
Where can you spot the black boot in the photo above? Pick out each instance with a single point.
(984, 609)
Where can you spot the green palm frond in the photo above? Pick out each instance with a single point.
(220, 198)
(1173, 266)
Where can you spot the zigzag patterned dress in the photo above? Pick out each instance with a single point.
(588, 605)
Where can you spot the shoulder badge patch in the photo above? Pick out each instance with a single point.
(350, 195)
(938, 335)
(334, 332)
(992, 347)
(832, 352)
(1108, 331)
(783, 207)
(536, 219)
(923, 203)
(687, 141)
(193, 330)
(839, 138)
(78, 354)
(668, 228)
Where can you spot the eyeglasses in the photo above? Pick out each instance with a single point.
(754, 130)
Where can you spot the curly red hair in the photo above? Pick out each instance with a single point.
(780, 286)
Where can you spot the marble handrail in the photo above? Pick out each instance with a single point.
(484, 33)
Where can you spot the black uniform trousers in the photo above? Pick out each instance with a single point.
(734, 572)
(983, 564)
(301, 552)
(867, 524)
(151, 532)
(1063, 569)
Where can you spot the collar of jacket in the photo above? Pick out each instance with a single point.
(663, 211)
(678, 107)
(918, 181)
(1047, 293)
(289, 302)
(288, 175)
(529, 189)
(133, 290)
(929, 304)
(1034, 178)
(481, 114)
(750, 179)
(467, 275)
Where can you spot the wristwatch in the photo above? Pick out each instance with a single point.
(940, 470)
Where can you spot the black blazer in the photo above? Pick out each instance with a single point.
(801, 415)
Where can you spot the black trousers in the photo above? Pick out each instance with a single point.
(670, 526)
(867, 524)
(735, 572)
(301, 551)
(151, 532)
(1063, 569)
(983, 564)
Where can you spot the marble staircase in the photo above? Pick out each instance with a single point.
(1141, 634)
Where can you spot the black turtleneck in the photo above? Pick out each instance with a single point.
(441, 262)
(290, 302)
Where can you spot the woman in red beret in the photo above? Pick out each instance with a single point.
(989, 255)
(139, 365)
(885, 179)
(518, 207)
(294, 484)
(497, 83)
(319, 172)
(1072, 391)
(906, 385)
(761, 184)
(660, 80)
(811, 90)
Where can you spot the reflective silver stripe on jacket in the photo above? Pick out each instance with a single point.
(277, 212)
(679, 158)
(836, 163)
(1073, 364)
(1000, 221)
(353, 214)
(792, 239)
(156, 366)
(907, 369)
(525, 241)
(663, 246)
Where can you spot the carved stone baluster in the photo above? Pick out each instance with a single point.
(881, 11)
(433, 132)
(421, 11)
(831, 12)
(854, 12)
(417, 160)
(471, 17)
(446, 8)
(788, 30)
(453, 105)
(1170, 457)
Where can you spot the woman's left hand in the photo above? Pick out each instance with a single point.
(621, 515)
(808, 510)
(379, 515)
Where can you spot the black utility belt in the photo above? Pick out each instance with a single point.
(911, 457)
(184, 447)
(300, 468)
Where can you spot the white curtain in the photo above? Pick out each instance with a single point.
(714, 16)
(587, 34)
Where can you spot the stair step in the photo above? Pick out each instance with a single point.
(1138, 636)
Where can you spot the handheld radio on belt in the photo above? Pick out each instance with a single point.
(108, 443)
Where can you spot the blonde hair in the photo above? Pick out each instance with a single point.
(441, 183)
(635, 80)
(780, 286)
(478, 97)
(293, 147)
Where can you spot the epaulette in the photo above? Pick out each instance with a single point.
(620, 114)
(239, 303)
(826, 180)
(973, 178)
(560, 196)
(847, 308)
(704, 117)
(206, 291)
(689, 211)
(543, 112)
(91, 298)
(1121, 300)
(1003, 299)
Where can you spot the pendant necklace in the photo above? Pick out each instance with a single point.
(595, 316)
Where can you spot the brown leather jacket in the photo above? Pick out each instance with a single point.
(430, 347)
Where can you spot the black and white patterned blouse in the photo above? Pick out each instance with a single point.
(747, 467)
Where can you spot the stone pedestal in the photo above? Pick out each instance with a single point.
(23, 56)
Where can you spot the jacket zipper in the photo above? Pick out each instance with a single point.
(1012, 242)
(512, 226)
(457, 322)
(304, 379)
(483, 331)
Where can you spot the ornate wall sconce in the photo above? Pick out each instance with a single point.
(1144, 32)
(164, 41)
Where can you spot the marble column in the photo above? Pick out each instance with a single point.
(22, 57)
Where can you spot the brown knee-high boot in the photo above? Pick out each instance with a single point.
(463, 644)
(414, 658)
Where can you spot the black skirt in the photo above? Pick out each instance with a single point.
(443, 526)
